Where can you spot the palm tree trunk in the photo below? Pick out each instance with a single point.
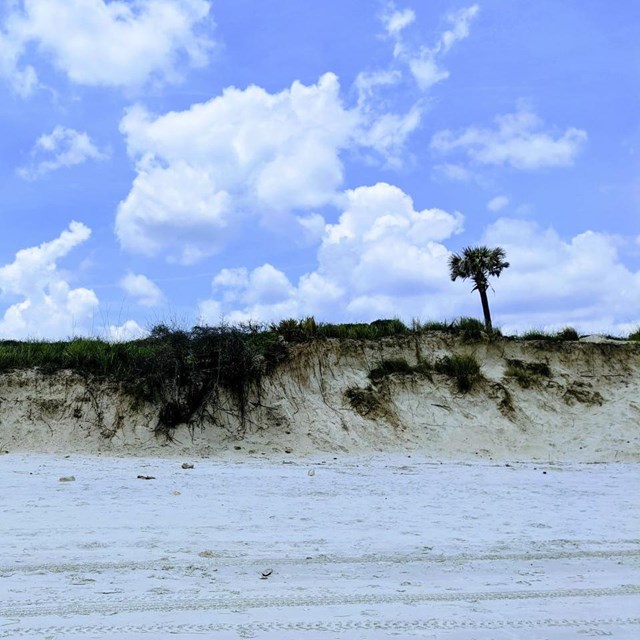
(485, 309)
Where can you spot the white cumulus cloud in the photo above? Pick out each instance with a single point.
(63, 147)
(142, 289)
(48, 306)
(203, 171)
(554, 282)
(382, 257)
(129, 330)
(270, 160)
(100, 43)
(518, 140)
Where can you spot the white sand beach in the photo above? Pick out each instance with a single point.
(357, 548)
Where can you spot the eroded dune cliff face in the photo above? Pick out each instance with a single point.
(551, 401)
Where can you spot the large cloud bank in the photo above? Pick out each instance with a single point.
(249, 154)
(201, 172)
(553, 282)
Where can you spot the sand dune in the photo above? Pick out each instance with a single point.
(586, 409)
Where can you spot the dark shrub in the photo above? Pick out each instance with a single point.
(308, 329)
(365, 401)
(568, 333)
(393, 327)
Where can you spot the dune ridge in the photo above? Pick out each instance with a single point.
(576, 401)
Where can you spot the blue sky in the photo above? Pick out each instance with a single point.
(193, 161)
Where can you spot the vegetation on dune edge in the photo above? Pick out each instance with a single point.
(464, 369)
(181, 371)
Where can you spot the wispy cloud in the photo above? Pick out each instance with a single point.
(425, 62)
(395, 20)
(518, 140)
(498, 203)
(61, 148)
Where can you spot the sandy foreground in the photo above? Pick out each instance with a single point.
(392, 546)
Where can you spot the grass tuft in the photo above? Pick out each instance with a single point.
(527, 374)
(470, 329)
(464, 369)
(308, 329)
(431, 325)
(388, 367)
(564, 335)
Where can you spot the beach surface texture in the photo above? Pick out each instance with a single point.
(504, 512)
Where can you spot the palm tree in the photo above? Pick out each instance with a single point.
(478, 263)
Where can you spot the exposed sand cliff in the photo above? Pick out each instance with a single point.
(586, 409)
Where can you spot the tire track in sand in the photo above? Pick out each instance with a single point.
(106, 606)
(426, 557)
(336, 627)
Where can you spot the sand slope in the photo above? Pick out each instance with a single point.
(587, 410)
